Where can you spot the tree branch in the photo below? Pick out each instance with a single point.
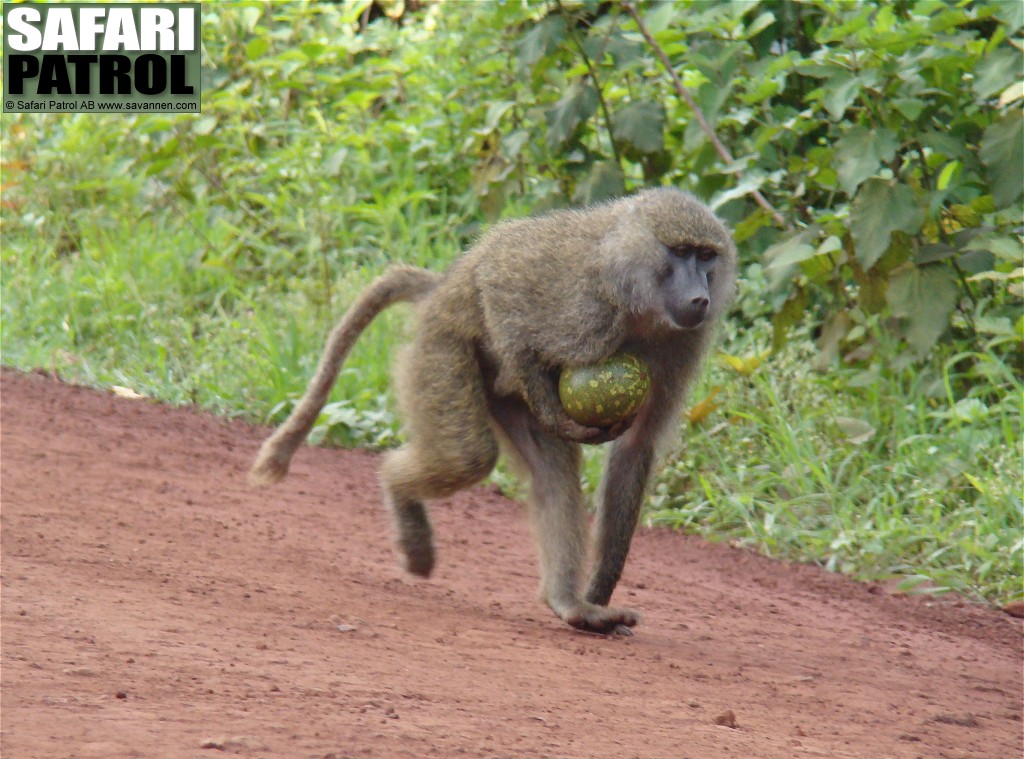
(593, 77)
(698, 114)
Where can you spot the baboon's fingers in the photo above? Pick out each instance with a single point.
(578, 433)
(607, 434)
(567, 429)
(616, 430)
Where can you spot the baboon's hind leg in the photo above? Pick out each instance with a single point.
(450, 444)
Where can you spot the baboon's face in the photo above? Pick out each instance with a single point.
(686, 289)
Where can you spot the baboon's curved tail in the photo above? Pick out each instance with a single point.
(397, 284)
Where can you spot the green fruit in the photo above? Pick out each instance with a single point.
(605, 393)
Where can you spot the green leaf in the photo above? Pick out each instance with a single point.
(256, 48)
(993, 325)
(1010, 13)
(997, 71)
(946, 144)
(757, 220)
(578, 105)
(964, 411)
(946, 176)
(762, 90)
(604, 180)
(543, 39)
(638, 126)
(660, 17)
(782, 258)
(250, 17)
(621, 47)
(832, 334)
(793, 251)
(860, 152)
(881, 208)
(997, 276)
(791, 313)
(1012, 94)
(204, 124)
(842, 90)
(759, 24)
(335, 161)
(749, 183)
(857, 431)
(923, 297)
(910, 108)
(1004, 247)
(1002, 151)
(830, 244)
(513, 142)
(312, 50)
(871, 291)
(495, 112)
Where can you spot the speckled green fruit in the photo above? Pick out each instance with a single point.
(605, 393)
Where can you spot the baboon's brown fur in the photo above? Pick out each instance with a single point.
(648, 274)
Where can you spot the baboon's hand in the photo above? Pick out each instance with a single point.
(613, 432)
(570, 430)
(593, 435)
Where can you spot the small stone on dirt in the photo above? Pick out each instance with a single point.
(346, 628)
(726, 719)
(962, 720)
(235, 745)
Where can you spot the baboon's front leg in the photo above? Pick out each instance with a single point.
(559, 519)
(621, 497)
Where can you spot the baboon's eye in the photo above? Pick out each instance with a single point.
(700, 252)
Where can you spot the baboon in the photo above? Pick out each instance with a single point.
(648, 274)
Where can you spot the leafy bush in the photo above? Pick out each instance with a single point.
(888, 136)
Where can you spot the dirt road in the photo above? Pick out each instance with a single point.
(153, 605)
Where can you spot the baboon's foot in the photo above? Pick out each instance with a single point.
(416, 557)
(601, 619)
(414, 539)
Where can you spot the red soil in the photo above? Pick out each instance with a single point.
(153, 605)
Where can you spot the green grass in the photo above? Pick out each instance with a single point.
(871, 475)
(142, 309)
